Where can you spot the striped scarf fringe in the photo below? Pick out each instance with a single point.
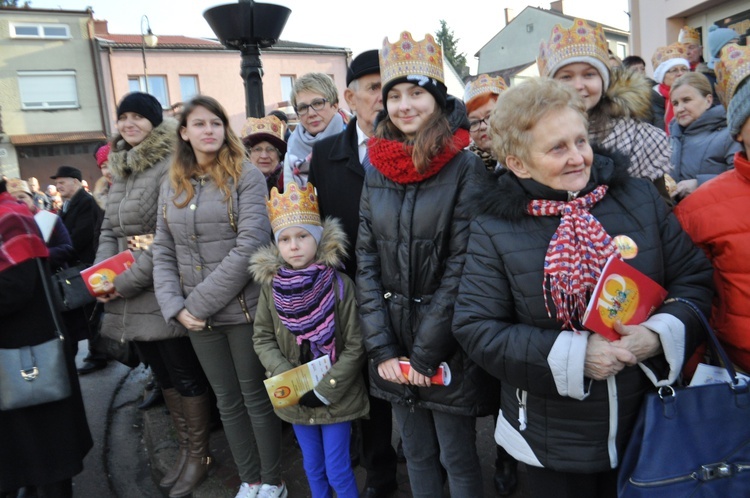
(576, 254)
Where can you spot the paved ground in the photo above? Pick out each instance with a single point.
(161, 446)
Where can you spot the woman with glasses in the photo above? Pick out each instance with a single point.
(616, 102)
(480, 96)
(669, 63)
(264, 143)
(316, 102)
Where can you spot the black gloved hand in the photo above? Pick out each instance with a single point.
(310, 400)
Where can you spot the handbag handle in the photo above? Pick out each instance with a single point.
(47, 292)
(712, 335)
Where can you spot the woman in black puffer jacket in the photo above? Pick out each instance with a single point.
(569, 398)
(412, 238)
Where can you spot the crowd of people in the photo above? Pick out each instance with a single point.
(439, 252)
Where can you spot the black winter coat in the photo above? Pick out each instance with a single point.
(566, 423)
(410, 254)
(338, 176)
(83, 219)
(45, 443)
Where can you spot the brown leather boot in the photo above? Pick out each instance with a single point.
(174, 403)
(197, 412)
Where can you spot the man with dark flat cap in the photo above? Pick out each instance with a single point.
(337, 171)
(82, 216)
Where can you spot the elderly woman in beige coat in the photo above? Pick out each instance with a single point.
(139, 161)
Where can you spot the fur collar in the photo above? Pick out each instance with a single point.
(266, 261)
(157, 146)
(507, 199)
(628, 96)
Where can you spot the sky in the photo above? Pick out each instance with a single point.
(357, 25)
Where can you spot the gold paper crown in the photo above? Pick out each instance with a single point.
(674, 51)
(689, 35)
(296, 206)
(407, 57)
(270, 125)
(484, 84)
(580, 40)
(731, 69)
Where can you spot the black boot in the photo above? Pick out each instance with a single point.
(506, 478)
(155, 397)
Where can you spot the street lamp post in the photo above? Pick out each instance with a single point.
(147, 38)
(248, 26)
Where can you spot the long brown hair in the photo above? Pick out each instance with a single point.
(431, 139)
(229, 159)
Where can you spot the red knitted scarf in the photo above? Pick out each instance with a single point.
(576, 254)
(19, 235)
(668, 109)
(393, 158)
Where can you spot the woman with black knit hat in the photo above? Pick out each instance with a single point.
(139, 160)
(415, 216)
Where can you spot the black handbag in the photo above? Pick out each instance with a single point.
(33, 375)
(123, 351)
(691, 441)
(70, 290)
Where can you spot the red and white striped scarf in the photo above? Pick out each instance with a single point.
(577, 252)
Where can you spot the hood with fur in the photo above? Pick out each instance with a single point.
(628, 96)
(266, 261)
(507, 198)
(157, 146)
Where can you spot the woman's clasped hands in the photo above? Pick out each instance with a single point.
(605, 358)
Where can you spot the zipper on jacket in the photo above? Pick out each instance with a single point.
(243, 305)
(521, 396)
(706, 473)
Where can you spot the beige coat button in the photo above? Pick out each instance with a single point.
(332, 382)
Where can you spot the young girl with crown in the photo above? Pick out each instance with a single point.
(415, 213)
(307, 309)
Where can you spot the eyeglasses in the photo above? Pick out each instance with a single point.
(317, 106)
(475, 125)
(678, 70)
(268, 150)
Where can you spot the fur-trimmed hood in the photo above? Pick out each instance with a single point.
(266, 261)
(628, 96)
(157, 146)
(507, 198)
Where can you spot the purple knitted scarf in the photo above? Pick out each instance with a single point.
(305, 302)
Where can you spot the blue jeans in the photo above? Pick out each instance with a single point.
(431, 438)
(325, 456)
(236, 375)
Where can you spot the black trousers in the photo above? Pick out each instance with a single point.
(377, 454)
(175, 365)
(545, 483)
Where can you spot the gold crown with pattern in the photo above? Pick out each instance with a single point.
(676, 50)
(270, 125)
(689, 36)
(579, 41)
(406, 57)
(731, 69)
(484, 84)
(296, 206)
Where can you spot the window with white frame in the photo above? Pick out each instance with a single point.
(287, 83)
(48, 90)
(157, 86)
(46, 31)
(622, 50)
(188, 87)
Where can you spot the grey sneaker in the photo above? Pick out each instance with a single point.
(273, 491)
(248, 490)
